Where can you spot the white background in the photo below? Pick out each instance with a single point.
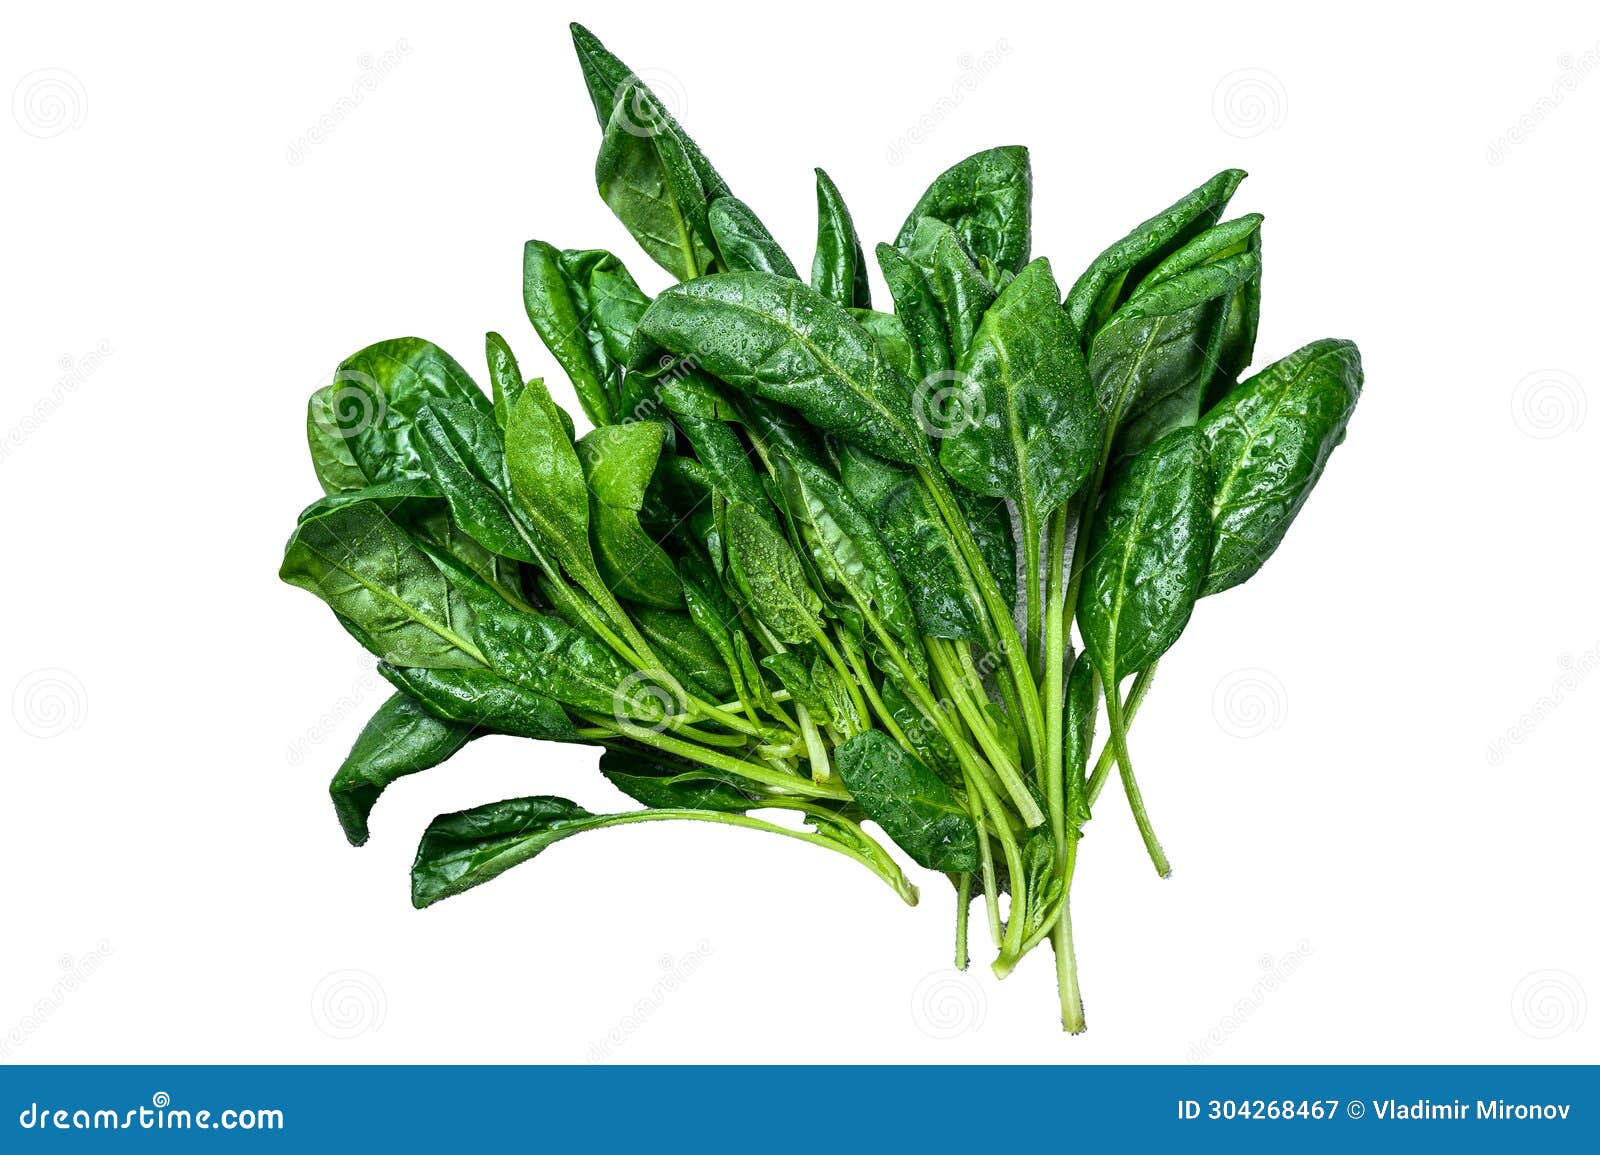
(1374, 766)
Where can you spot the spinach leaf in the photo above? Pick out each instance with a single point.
(483, 700)
(372, 402)
(839, 269)
(548, 483)
(783, 341)
(1266, 444)
(1112, 275)
(686, 651)
(743, 241)
(618, 461)
(505, 377)
(1148, 557)
(1079, 738)
(663, 787)
(463, 451)
(964, 294)
(401, 738)
(365, 567)
(918, 309)
(908, 800)
(770, 577)
(1029, 428)
(987, 199)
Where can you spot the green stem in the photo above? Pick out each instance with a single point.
(755, 772)
(1066, 959)
(982, 730)
(963, 905)
(1031, 591)
(1119, 740)
(1108, 754)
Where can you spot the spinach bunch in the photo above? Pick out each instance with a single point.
(815, 555)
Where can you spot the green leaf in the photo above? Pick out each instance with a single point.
(356, 559)
(464, 453)
(505, 377)
(1112, 275)
(554, 660)
(964, 294)
(770, 577)
(839, 269)
(375, 396)
(687, 652)
(1154, 362)
(1079, 738)
(1028, 428)
(987, 200)
(577, 302)
(845, 547)
(402, 738)
(1147, 557)
(890, 332)
(743, 241)
(1266, 444)
(547, 481)
(783, 341)
(908, 800)
(646, 175)
(484, 701)
(663, 787)
(463, 850)
(918, 309)
(618, 462)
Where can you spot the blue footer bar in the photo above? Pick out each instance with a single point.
(707, 1109)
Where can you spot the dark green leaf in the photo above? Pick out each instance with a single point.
(687, 652)
(402, 738)
(369, 571)
(839, 269)
(964, 294)
(505, 377)
(618, 461)
(783, 341)
(664, 787)
(483, 700)
(1266, 444)
(547, 481)
(1148, 557)
(987, 200)
(770, 577)
(918, 309)
(908, 800)
(1028, 428)
(464, 453)
(743, 241)
(1115, 273)
(1079, 738)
